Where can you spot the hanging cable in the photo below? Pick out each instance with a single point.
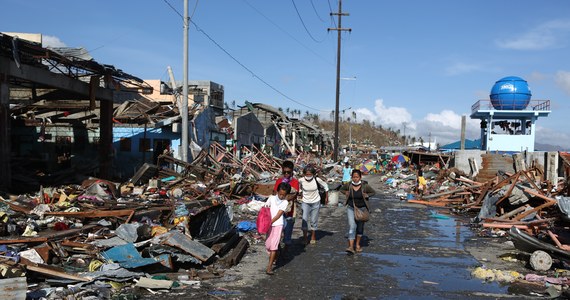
(242, 65)
(287, 33)
(316, 13)
(304, 26)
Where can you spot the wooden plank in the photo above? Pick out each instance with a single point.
(92, 213)
(52, 271)
(24, 240)
(432, 203)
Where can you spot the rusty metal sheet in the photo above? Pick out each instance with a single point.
(13, 288)
(185, 243)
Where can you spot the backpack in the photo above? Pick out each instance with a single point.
(263, 221)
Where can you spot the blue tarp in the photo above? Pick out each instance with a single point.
(127, 257)
(469, 144)
(246, 226)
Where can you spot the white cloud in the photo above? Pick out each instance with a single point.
(391, 115)
(545, 36)
(562, 79)
(459, 68)
(443, 127)
(52, 41)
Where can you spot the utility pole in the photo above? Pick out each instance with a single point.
(339, 29)
(405, 138)
(184, 110)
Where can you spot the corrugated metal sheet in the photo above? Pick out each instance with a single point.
(492, 163)
(13, 288)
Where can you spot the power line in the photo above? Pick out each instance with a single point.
(302, 22)
(249, 70)
(331, 13)
(288, 34)
(241, 64)
(316, 13)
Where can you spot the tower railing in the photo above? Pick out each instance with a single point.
(533, 105)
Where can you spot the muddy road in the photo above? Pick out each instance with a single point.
(410, 252)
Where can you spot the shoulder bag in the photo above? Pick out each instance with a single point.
(361, 214)
(322, 192)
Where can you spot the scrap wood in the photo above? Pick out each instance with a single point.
(16, 207)
(536, 209)
(52, 271)
(557, 242)
(549, 202)
(507, 226)
(510, 190)
(24, 240)
(430, 203)
(469, 181)
(531, 181)
(92, 213)
(514, 212)
(484, 191)
(530, 223)
(432, 196)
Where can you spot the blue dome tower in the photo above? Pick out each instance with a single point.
(510, 93)
(508, 118)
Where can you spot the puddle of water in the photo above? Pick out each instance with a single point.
(452, 232)
(438, 274)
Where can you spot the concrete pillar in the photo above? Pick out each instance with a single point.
(5, 142)
(463, 125)
(520, 164)
(552, 167)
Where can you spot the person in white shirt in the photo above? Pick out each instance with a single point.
(311, 201)
(277, 205)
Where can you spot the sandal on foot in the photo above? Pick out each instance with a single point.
(313, 242)
(269, 273)
(358, 250)
(349, 250)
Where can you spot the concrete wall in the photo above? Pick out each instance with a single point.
(461, 159)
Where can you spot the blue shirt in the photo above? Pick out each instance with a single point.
(346, 174)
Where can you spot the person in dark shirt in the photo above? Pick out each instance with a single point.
(357, 193)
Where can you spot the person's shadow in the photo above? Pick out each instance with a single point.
(296, 248)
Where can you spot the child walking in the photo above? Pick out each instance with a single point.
(278, 205)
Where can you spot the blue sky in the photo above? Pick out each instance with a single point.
(419, 63)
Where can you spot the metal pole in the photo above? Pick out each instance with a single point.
(184, 111)
(350, 138)
(337, 102)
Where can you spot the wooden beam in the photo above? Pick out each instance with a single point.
(51, 79)
(92, 213)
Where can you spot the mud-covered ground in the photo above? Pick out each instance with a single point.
(410, 252)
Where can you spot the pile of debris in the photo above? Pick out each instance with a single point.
(523, 206)
(170, 226)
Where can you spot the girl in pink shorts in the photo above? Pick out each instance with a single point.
(278, 205)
